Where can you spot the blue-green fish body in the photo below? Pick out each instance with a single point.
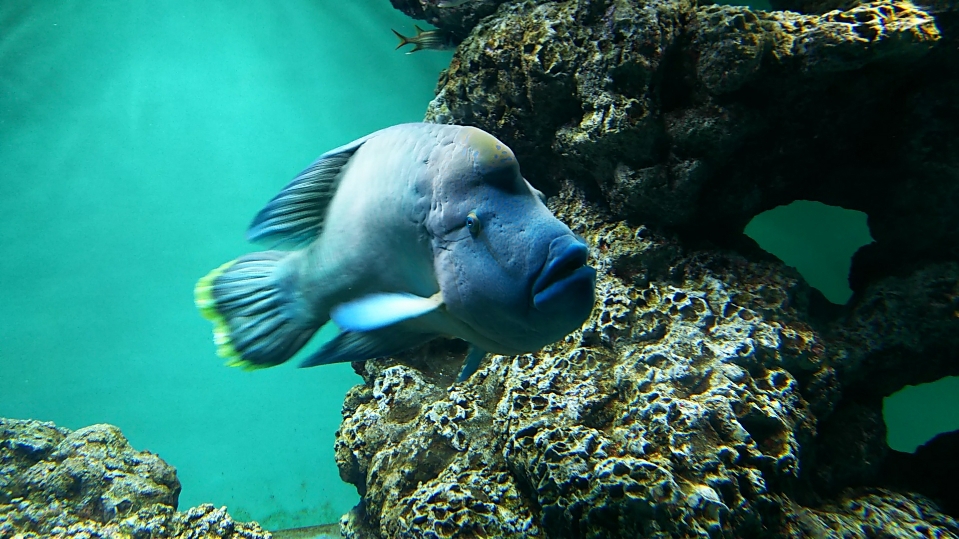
(413, 232)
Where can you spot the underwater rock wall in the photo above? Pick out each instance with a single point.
(712, 392)
(688, 405)
(699, 119)
(90, 483)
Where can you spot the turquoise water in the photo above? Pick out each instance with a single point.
(137, 141)
(817, 239)
(916, 414)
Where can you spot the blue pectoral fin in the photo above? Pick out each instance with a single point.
(380, 310)
(472, 363)
(353, 346)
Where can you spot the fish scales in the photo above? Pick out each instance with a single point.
(414, 232)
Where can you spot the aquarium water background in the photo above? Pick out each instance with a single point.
(137, 141)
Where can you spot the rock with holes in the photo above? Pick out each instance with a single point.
(678, 410)
(895, 320)
(824, 6)
(696, 119)
(932, 469)
(712, 393)
(458, 484)
(899, 330)
(91, 483)
(867, 513)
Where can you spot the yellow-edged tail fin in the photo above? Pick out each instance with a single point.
(203, 298)
(258, 320)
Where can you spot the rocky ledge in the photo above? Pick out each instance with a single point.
(712, 393)
(701, 399)
(90, 483)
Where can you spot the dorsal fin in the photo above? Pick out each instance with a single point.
(295, 216)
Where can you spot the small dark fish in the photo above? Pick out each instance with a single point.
(438, 40)
(451, 3)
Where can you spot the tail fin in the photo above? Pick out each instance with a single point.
(403, 39)
(257, 320)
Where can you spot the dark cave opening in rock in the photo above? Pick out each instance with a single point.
(817, 239)
(922, 432)
(932, 470)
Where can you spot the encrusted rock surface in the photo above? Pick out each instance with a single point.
(901, 330)
(824, 6)
(684, 408)
(933, 469)
(698, 119)
(712, 393)
(90, 483)
(869, 513)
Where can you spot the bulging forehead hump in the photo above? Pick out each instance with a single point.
(490, 162)
(488, 153)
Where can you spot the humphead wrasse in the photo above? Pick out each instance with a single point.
(413, 232)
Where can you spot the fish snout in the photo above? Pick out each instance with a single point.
(565, 282)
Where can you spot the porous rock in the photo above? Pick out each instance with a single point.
(712, 392)
(900, 330)
(682, 408)
(824, 6)
(90, 483)
(932, 469)
(868, 513)
(696, 119)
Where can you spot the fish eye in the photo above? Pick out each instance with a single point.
(473, 223)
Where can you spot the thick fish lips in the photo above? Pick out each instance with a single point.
(565, 286)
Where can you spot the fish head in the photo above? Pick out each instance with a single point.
(507, 267)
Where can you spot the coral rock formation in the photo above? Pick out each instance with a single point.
(700, 118)
(90, 483)
(712, 393)
(682, 408)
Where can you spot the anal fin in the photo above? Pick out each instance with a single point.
(472, 363)
(360, 346)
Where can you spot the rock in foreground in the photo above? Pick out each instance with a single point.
(90, 483)
(687, 406)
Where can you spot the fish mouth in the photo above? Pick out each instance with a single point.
(565, 275)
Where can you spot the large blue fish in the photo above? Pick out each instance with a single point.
(413, 232)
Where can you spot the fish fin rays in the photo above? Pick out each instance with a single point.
(472, 363)
(257, 319)
(403, 39)
(295, 216)
(360, 346)
(379, 310)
